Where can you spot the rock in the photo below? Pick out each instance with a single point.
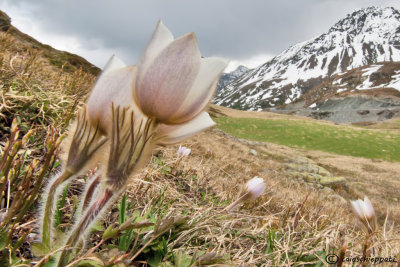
(333, 181)
(253, 152)
(339, 198)
(327, 191)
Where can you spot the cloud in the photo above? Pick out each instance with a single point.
(234, 29)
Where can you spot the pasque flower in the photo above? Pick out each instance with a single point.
(183, 151)
(174, 83)
(252, 190)
(159, 102)
(255, 187)
(365, 213)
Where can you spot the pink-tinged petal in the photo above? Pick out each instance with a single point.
(160, 39)
(202, 90)
(162, 88)
(112, 87)
(256, 187)
(112, 64)
(183, 151)
(172, 134)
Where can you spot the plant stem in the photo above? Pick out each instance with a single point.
(242, 198)
(89, 192)
(82, 225)
(47, 212)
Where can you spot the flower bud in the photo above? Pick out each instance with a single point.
(183, 151)
(174, 83)
(365, 212)
(113, 86)
(255, 187)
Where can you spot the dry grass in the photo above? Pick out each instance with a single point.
(35, 91)
(276, 229)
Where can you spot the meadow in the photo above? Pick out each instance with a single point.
(313, 135)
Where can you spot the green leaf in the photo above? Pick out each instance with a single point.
(183, 260)
(122, 210)
(51, 263)
(39, 249)
(97, 227)
(60, 205)
(91, 262)
(3, 238)
(110, 232)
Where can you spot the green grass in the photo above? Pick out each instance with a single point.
(343, 140)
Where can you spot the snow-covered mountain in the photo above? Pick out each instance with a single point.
(366, 36)
(227, 78)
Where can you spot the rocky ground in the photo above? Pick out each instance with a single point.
(349, 109)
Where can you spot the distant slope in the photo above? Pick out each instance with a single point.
(378, 80)
(310, 134)
(364, 37)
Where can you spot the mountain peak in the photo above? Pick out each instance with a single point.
(367, 19)
(227, 78)
(366, 36)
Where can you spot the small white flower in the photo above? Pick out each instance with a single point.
(183, 151)
(363, 209)
(255, 187)
(365, 212)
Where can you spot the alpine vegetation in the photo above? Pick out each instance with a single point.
(131, 110)
(253, 189)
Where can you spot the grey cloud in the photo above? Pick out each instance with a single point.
(228, 28)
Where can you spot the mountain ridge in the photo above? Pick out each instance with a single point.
(350, 43)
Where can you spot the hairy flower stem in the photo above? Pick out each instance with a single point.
(129, 145)
(47, 215)
(81, 226)
(242, 198)
(89, 192)
(86, 140)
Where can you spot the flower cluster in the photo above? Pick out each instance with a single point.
(131, 109)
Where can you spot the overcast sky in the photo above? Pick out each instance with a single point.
(247, 32)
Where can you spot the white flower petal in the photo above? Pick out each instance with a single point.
(368, 209)
(112, 64)
(160, 39)
(162, 88)
(112, 87)
(256, 187)
(202, 90)
(183, 151)
(363, 209)
(357, 208)
(172, 134)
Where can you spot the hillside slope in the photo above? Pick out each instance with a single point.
(66, 60)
